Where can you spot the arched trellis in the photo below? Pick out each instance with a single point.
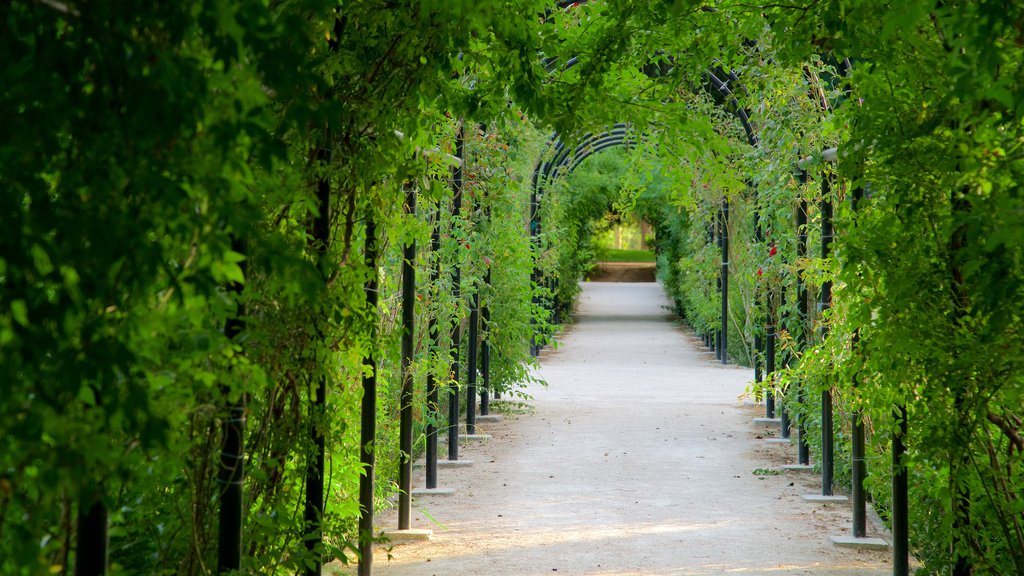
(558, 159)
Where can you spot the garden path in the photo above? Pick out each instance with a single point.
(639, 457)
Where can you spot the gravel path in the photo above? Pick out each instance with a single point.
(639, 457)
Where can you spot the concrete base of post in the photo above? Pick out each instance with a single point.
(763, 420)
(860, 543)
(469, 438)
(798, 468)
(777, 441)
(417, 492)
(410, 535)
(454, 463)
(446, 464)
(819, 498)
(488, 418)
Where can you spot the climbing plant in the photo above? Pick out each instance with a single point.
(187, 188)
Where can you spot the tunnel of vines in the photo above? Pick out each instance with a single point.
(259, 256)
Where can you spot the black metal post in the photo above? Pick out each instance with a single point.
(368, 410)
(782, 403)
(474, 328)
(485, 353)
(453, 389)
(93, 541)
(858, 475)
(405, 410)
(315, 483)
(717, 338)
(758, 376)
(784, 419)
(900, 508)
(724, 354)
(783, 399)
(769, 361)
(232, 456)
(535, 275)
(858, 465)
(758, 240)
(485, 344)
(314, 509)
(803, 447)
(827, 439)
(473, 348)
(432, 387)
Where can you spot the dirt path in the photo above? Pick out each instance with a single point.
(638, 458)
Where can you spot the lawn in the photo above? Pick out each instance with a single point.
(625, 256)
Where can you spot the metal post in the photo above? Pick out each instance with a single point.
(473, 347)
(782, 404)
(474, 327)
(315, 483)
(485, 354)
(713, 236)
(232, 456)
(900, 516)
(485, 345)
(858, 465)
(827, 440)
(758, 377)
(769, 360)
(724, 354)
(314, 509)
(92, 543)
(405, 410)
(859, 474)
(432, 387)
(535, 275)
(827, 447)
(758, 239)
(784, 419)
(803, 447)
(368, 411)
(453, 389)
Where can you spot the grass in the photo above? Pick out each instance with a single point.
(625, 256)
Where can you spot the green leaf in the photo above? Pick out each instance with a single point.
(41, 260)
(20, 312)
(86, 395)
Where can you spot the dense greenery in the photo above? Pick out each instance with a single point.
(172, 173)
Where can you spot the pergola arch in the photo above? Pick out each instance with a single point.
(559, 159)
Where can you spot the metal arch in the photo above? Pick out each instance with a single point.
(551, 167)
(730, 100)
(621, 130)
(548, 170)
(604, 145)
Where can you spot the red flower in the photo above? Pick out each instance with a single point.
(773, 251)
(760, 272)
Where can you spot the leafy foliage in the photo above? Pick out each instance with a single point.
(163, 168)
